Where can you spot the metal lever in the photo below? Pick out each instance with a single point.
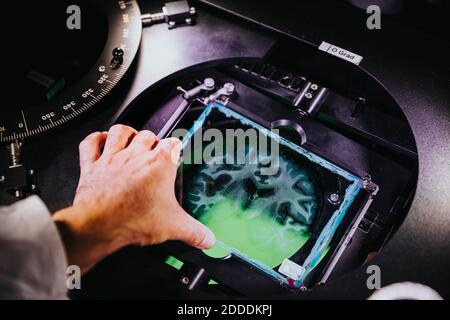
(207, 85)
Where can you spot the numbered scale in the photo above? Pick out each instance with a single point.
(58, 80)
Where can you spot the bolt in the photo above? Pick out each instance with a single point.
(334, 198)
(101, 69)
(180, 88)
(184, 280)
(209, 83)
(366, 181)
(229, 87)
(308, 96)
(314, 87)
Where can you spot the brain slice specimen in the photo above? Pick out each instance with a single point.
(288, 195)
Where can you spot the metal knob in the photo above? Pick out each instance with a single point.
(207, 85)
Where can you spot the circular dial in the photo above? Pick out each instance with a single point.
(66, 63)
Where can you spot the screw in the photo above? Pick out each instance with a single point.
(193, 10)
(209, 83)
(302, 113)
(366, 181)
(101, 69)
(308, 96)
(184, 280)
(188, 20)
(229, 87)
(314, 87)
(303, 289)
(334, 198)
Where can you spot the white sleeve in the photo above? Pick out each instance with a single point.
(33, 263)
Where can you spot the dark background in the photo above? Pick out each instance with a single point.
(409, 56)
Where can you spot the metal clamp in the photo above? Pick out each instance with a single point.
(310, 98)
(226, 92)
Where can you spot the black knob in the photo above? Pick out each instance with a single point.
(117, 53)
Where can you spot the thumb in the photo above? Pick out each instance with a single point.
(192, 232)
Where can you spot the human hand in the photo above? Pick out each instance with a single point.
(126, 195)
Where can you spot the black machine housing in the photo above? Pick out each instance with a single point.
(331, 120)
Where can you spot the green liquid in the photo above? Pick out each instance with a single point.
(257, 235)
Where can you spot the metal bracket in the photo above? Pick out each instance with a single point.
(174, 13)
(223, 94)
(17, 180)
(310, 98)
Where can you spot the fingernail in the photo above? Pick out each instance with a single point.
(209, 241)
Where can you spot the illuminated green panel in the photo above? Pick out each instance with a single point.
(174, 262)
(266, 218)
(263, 238)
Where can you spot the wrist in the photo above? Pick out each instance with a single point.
(83, 236)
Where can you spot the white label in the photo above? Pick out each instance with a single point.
(291, 269)
(340, 53)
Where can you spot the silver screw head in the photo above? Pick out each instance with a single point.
(209, 83)
(308, 96)
(229, 87)
(334, 198)
(184, 280)
(314, 87)
(101, 69)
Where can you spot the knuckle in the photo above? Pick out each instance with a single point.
(90, 137)
(148, 133)
(84, 144)
(120, 129)
(89, 141)
(144, 136)
(152, 157)
(174, 142)
(166, 158)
